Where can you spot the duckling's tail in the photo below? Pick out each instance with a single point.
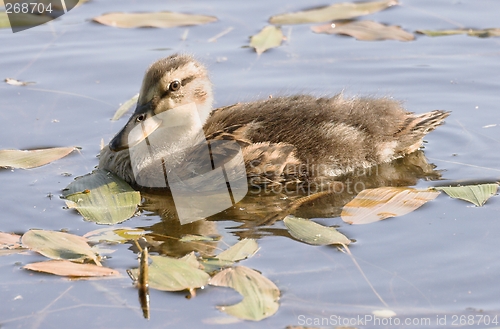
(427, 122)
(418, 125)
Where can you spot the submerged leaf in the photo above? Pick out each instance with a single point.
(269, 37)
(484, 33)
(260, 295)
(242, 250)
(102, 197)
(158, 19)
(59, 245)
(23, 19)
(380, 203)
(114, 235)
(125, 107)
(67, 268)
(366, 31)
(172, 274)
(476, 194)
(313, 233)
(336, 11)
(32, 158)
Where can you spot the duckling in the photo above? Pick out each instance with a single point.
(283, 139)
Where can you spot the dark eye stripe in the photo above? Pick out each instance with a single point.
(187, 80)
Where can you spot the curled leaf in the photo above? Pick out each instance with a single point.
(476, 194)
(338, 11)
(158, 19)
(102, 197)
(269, 37)
(366, 31)
(260, 295)
(313, 233)
(125, 107)
(372, 205)
(15, 82)
(32, 158)
(67, 268)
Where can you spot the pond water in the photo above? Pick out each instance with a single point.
(438, 263)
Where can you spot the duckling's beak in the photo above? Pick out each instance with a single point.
(140, 125)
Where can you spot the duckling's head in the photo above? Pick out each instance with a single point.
(168, 84)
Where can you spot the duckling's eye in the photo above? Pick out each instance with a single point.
(175, 85)
(140, 118)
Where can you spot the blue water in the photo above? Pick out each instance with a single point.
(439, 260)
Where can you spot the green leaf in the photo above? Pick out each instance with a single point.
(158, 19)
(59, 245)
(476, 194)
(211, 265)
(376, 204)
(172, 274)
(336, 11)
(269, 37)
(102, 197)
(32, 158)
(483, 33)
(313, 233)
(366, 31)
(260, 295)
(242, 250)
(67, 268)
(125, 107)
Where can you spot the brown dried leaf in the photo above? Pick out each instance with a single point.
(67, 268)
(366, 31)
(380, 203)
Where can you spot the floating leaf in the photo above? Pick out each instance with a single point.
(172, 274)
(159, 19)
(32, 158)
(59, 245)
(365, 31)
(380, 203)
(242, 250)
(10, 244)
(484, 33)
(113, 235)
(269, 37)
(125, 107)
(336, 11)
(15, 82)
(313, 233)
(102, 197)
(476, 194)
(67, 268)
(9, 241)
(260, 295)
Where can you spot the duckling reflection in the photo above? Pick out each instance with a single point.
(262, 206)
